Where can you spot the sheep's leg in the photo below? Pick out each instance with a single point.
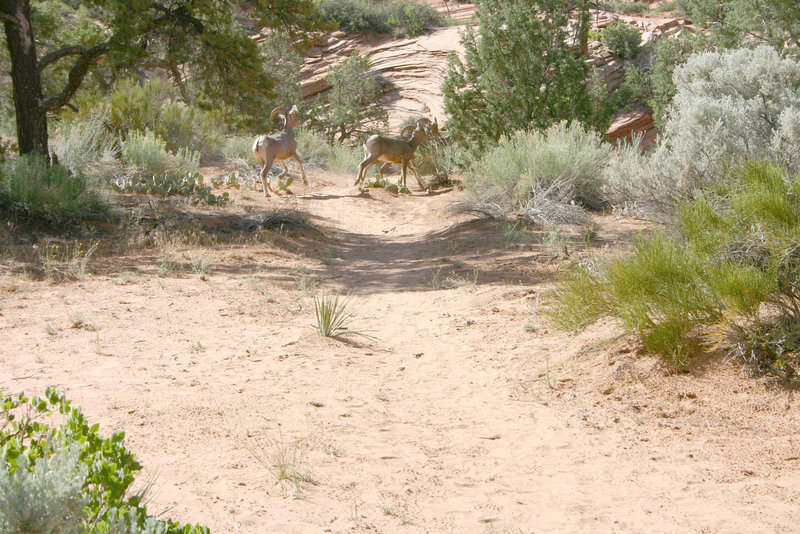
(414, 169)
(362, 168)
(302, 170)
(285, 169)
(403, 173)
(265, 179)
(383, 168)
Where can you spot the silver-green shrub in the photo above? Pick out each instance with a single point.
(145, 151)
(728, 106)
(531, 173)
(48, 499)
(78, 144)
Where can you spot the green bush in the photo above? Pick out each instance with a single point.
(145, 151)
(38, 193)
(540, 175)
(623, 39)
(731, 272)
(137, 107)
(66, 478)
(364, 16)
(182, 126)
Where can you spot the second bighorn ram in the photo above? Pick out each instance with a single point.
(278, 147)
(397, 150)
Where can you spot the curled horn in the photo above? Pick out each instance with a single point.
(406, 130)
(278, 111)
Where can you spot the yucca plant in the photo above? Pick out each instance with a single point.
(332, 315)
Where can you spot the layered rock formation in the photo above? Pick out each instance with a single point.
(416, 67)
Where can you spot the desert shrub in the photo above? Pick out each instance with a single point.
(531, 171)
(623, 39)
(38, 193)
(363, 16)
(137, 107)
(441, 160)
(182, 126)
(145, 151)
(316, 151)
(238, 147)
(59, 475)
(670, 54)
(731, 272)
(728, 106)
(79, 143)
(187, 161)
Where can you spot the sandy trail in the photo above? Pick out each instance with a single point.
(452, 417)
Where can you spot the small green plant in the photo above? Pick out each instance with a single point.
(190, 184)
(333, 316)
(169, 266)
(59, 260)
(284, 460)
(453, 278)
(623, 39)
(386, 185)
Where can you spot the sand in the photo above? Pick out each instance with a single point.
(459, 410)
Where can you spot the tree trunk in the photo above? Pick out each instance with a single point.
(25, 76)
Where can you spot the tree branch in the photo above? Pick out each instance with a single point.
(76, 76)
(58, 54)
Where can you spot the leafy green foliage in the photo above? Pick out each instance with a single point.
(518, 73)
(37, 193)
(736, 252)
(351, 101)
(772, 22)
(67, 458)
(623, 39)
(408, 17)
(670, 54)
(153, 106)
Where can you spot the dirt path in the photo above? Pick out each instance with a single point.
(462, 413)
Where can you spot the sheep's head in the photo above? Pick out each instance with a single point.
(293, 117)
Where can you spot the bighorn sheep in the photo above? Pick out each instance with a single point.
(397, 150)
(278, 147)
